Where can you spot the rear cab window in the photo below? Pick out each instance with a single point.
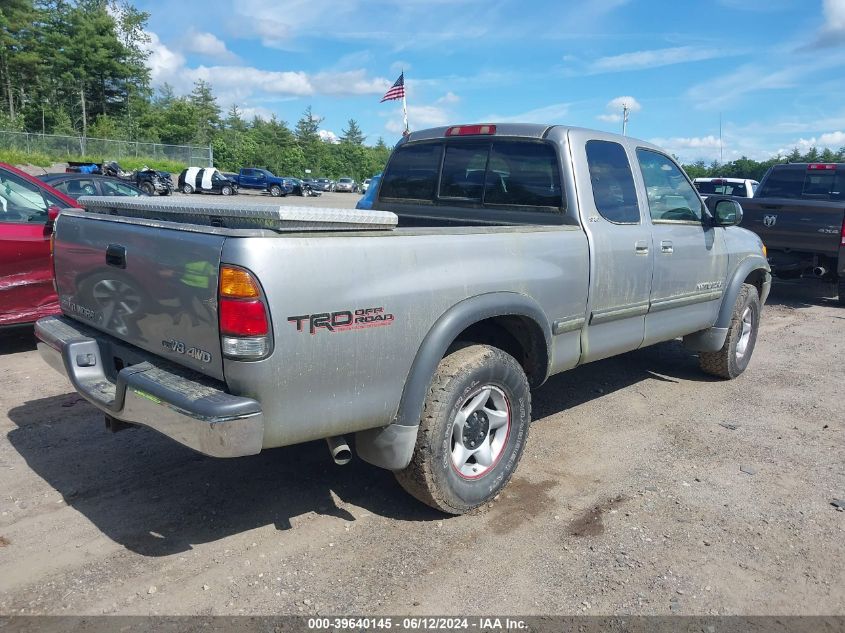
(614, 193)
(502, 175)
(722, 188)
(803, 182)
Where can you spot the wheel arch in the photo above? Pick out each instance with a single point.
(511, 321)
(753, 270)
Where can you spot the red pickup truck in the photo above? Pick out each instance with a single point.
(28, 208)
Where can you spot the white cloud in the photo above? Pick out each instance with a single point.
(448, 98)
(834, 13)
(329, 136)
(684, 143)
(207, 44)
(619, 102)
(832, 140)
(419, 118)
(640, 60)
(165, 64)
(610, 118)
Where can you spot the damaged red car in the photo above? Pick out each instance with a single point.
(28, 208)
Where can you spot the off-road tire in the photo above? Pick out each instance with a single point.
(841, 287)
(431, 476)
(725, 363)
(275, 191)
(186, 188)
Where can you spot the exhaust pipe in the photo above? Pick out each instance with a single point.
(819, 271)
(341, 453)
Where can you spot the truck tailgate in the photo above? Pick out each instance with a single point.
(149, 286)
(798, 225)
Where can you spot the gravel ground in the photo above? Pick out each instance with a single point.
(646, 488)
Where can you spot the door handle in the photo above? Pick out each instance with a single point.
(666, 247)
(641, 248)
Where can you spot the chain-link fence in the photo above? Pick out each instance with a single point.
(55, 145)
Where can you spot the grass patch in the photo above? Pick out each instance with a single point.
(17, 157)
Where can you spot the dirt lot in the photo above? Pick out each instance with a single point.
(646, 488)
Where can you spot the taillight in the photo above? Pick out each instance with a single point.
(822, 166)
(470, 130)
(244, 322)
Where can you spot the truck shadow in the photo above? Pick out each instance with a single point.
(802, 293)
(17, 338)
(156, 497)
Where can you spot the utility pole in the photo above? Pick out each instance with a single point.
(721, 158)
(625, 111)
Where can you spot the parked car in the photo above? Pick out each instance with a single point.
(300, 187)
(263, 180)
(347, 185)
(28, 208)
(737, 187)
(323, 184)
(150, 181)
(365, 185)
(76, 185)
(206, 180)
(419, 326)
(366, 201)
(799, 211)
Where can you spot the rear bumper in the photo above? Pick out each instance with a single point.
(183, 405)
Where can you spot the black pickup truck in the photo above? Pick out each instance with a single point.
(799, 213)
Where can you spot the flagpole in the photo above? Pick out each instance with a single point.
(404, 103)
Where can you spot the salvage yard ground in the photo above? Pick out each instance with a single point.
(646, 487)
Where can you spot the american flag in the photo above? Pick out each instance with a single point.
(397, 90)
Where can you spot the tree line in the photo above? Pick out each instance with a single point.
(79, 67)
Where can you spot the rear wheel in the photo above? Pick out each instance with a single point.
(733, 358)
(186, 188)
(275, 191)
(473, 430)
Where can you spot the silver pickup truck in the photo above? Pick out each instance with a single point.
(495, 256)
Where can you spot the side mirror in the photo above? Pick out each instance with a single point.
(725, 211)
(53, 212)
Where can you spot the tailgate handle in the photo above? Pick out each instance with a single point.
(116, 256)
(772, 206)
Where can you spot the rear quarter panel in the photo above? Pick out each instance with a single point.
(326, 383)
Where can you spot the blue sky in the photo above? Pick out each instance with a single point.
(773, 69)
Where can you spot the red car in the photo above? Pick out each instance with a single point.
(28, 208)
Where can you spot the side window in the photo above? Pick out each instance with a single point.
(785, 183)
(670, 196)
(117, 189)
(463, 170)
(20, 201)
(523, 174)
(76, 187)
(613, 183)
(412, 173)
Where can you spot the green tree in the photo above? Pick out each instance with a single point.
(352, 134)
(207, 112)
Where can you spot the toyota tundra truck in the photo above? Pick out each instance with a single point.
(494, 257)
(799, 211)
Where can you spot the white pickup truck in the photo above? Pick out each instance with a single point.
(495, 256)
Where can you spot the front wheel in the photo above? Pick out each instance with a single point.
(226, 191)
(148, 188)
(275, 191)
(473, 430)
(733, 358)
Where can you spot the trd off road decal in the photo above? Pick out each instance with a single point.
(342, 320)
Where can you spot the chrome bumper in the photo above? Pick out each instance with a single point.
(184, 406)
